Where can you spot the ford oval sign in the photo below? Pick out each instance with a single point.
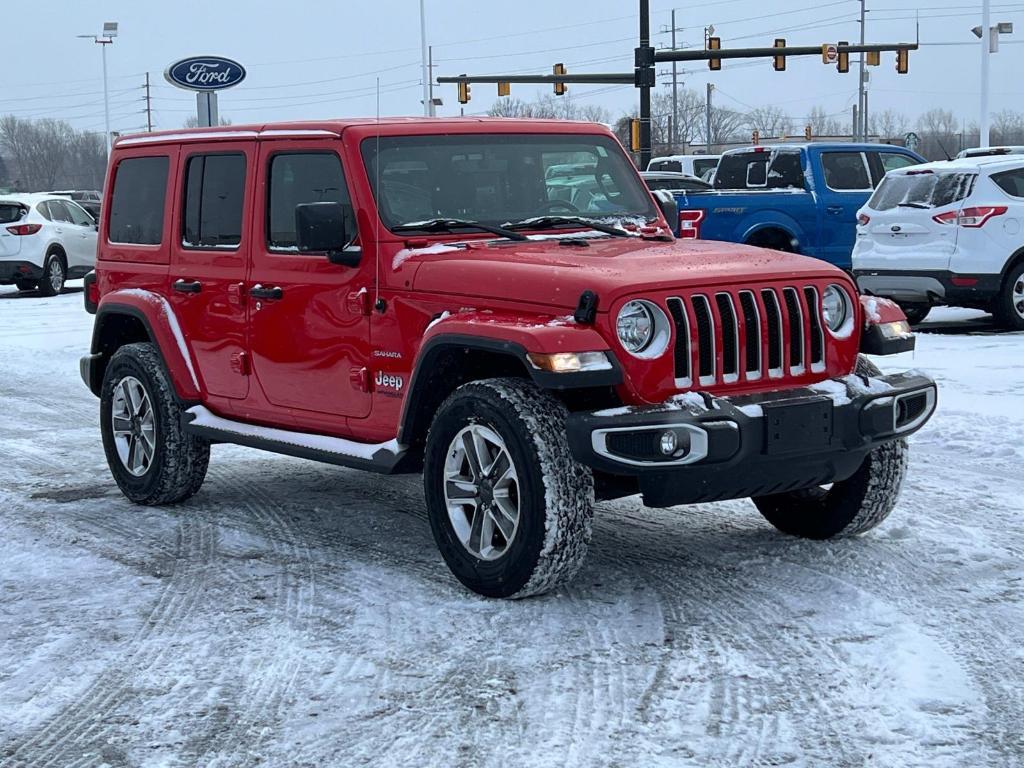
(205, 73)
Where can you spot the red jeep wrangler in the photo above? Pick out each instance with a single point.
(499, 304)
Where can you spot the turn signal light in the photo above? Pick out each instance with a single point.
(970, 217)
(24, 229)
(689, 224)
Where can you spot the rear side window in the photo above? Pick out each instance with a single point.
(301, 178)
(137, 206)
(58, 211)
(785, 171)
(214, 193)
(845, 171)
(10, 212)
(757, 170)
(1011, 182)
(665, 165)
(891, 161)
(700, 167)
(921, 190)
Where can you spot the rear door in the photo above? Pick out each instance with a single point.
(847, 186)
(310, 341)
(209, 257)
(81, 241)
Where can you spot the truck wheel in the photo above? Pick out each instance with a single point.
(153, 460)
(509, 507)
(847, 507)
(1009, 306)
(916, 313)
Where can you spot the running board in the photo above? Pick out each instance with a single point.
(375, 457)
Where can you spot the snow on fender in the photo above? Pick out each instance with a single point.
(886, 330)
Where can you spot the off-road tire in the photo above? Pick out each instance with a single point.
(849, 507)
(53, 262)
(25, 285)
(180, 460)
(556, 494)
(1005, 312)
(915, 312)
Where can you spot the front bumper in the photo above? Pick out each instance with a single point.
(19, 270)
(754, 445)
(929, 286)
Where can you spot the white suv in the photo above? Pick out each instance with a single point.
(951, 233)
(44, 241)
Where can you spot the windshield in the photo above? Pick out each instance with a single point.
(501, 178)
(921, 190)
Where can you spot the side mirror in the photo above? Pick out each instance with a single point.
(669, 207)
(321, 228)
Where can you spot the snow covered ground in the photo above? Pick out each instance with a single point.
(294, 614)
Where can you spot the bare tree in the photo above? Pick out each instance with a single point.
(889, 124)
(824, 124)
(40, 149)
(726, 125)
(549, 107)
(193, 122)
(1008, 127)
(939, 134)
(769, 122)
(686, 121)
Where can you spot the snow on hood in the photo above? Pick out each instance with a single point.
(541, 272)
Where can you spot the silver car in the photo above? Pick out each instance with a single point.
(44, 241)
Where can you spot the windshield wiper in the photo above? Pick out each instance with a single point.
(450, 225)
(549, 222)
(923, 206)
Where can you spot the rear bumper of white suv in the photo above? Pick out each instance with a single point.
(13, 270)
(929, 286)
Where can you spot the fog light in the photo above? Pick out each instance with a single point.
(668, 443)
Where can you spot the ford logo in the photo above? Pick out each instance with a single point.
(205, 73)
(896, 228)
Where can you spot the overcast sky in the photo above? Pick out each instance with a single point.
(314, 59)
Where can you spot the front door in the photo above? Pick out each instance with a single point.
(309, 323)
(209, 257)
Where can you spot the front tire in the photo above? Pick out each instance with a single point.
(54, 276)
(1009, 306)
(509, 507)
(153, 460)
(847, 507)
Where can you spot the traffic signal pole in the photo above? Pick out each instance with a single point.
(645, 89)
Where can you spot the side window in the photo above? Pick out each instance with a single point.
(846, 171)
(59, 212)
(78, 214)
(891, 161)
(137, 205)
(214, 194)
(1011, 182)
(297, 178)
(785, 171)
(44, 209)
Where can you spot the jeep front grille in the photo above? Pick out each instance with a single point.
(728, 336)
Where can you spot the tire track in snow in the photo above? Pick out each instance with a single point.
(70, 738)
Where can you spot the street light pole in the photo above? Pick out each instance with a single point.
(428, 106)
(986, 44)
(861, 94)
(107, 38)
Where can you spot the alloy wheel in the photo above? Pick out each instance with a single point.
(1018, 296)
(481, 492)
(55, 275)
(134, 425)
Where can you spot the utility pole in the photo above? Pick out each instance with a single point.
(675, 88)
(707, 116)
(861, 92)
(986, 45)
(430, 68)
(645, 89)
(149, 107)
(427, 108)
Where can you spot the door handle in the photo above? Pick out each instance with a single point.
(187, 286)
(835, 210)
(260, 292)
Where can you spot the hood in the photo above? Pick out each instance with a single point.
(545, 272)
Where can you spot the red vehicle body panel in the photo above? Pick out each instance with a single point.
(322, 359)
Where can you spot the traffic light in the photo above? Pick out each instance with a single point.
(714, 44)
(463, 92)
(874, 58)
(755, 136)
(504, 89)
(560, 89)
(807, 132)
(843, 58)
(779, 64)
(903, 61)
(634, 134)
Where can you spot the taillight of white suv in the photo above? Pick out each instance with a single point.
(973, 217)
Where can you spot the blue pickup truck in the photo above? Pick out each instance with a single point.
(791, 197)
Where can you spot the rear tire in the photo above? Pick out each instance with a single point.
(1009, 306)
(532, 537)
(54, 276)
(849, 507)
(915, 312)
(153, 460)
(26, 285)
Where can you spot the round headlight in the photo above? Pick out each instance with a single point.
(834, 308)
(635, 326)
